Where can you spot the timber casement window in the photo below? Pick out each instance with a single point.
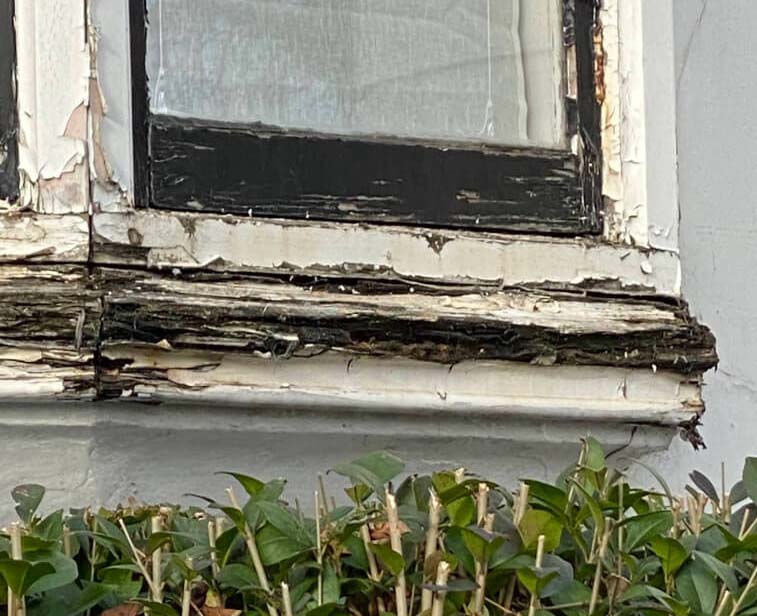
(481, 114)
(8, 123)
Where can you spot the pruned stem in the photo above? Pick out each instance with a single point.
(212, 545)
(482, 570)
(442, 574)
(16, 605)
(156, 526)
(534, 603)
(520, 510)
(252, 548)
(319, 554)
(598, 570)
(287, 599)
(395, 540)
(186, 599)
(138, 560)
(432, 539)
(365, 535)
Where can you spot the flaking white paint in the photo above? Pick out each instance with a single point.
(53, 94)
(192, 241)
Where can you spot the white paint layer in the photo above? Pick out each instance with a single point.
(395, 386)
(44, 238)
(194, 241)
(53, 94)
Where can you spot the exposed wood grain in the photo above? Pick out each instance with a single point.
(263, 171)
(49, 326)
(281, 320)
(44, 238)
(166, 240)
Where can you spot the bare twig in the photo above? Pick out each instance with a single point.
(138, 559)
(432, 538)
(252, 548)
(365, 535)
(442, 574)
(598, 570)
(395, 540)
(157, 557)
(186, 598)
(16, 605)
(212, 545)
(287, 599)
(319, 554)
(534, 603)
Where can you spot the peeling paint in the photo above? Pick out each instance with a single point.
(53, 96)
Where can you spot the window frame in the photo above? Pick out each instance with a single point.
(319, 176)
(8, 115)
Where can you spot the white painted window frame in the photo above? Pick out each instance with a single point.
(75, 152)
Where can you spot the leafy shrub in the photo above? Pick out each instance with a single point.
(450, 543)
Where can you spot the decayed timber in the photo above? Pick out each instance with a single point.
(44, 238)
(49, 326)
(166, 240)
(281, 320)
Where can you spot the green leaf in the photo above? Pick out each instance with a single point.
(670, 552)
(719, 568)
(91, 595)
(275, 546)
(697, 586)
(536, 579)
(27, 498)
(555, 499)
(19, 575)
(595, 456)
(282, 519)
(703, 483)
(51, 528)
(393, 561)
(660, 479)
(749, 477)
(374, 470)
(64, 572)
(331, 585)
(536, 522)
(251, 485)
(462, 511)
(641, 528)
(475, 543)
(237, 576)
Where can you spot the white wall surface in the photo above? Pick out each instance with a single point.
(717, 150)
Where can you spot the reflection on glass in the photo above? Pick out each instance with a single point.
(474, 70)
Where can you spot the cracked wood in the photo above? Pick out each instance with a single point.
(277, 319)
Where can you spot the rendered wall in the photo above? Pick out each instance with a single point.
(717, 148)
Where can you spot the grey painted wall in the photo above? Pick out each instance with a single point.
(717, 150)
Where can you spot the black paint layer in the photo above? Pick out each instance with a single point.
(268, 172)
(8, 119)
(140, 99)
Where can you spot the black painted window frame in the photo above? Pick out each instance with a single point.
(8, 114)
(256, 170)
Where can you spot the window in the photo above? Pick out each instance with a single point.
(8, 146)
(480, 114)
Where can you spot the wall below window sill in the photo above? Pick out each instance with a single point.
(107, 453)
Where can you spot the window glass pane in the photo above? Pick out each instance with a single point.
(474, 70)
